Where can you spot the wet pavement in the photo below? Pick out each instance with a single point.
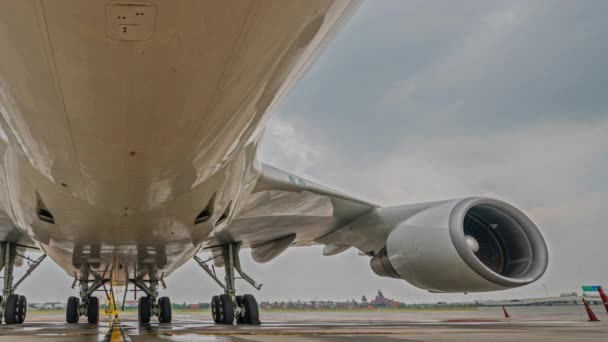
(488, 325)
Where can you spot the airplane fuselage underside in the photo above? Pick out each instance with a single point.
(128, 121)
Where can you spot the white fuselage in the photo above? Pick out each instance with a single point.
(123, 119)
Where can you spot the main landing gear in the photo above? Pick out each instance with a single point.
(150, 305)
(228, 308)
(13, 307)
(87, 305)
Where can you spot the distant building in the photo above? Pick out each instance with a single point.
(380, 301)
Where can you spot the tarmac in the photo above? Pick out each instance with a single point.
(485, 325)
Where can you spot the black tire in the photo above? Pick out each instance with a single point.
(93, 310)
(215, 303)
(164, 304)
(252, 314)
(71, 310)
(22, 310)
(144, 310)
(225, 309)
(12, 311)
(239, 303)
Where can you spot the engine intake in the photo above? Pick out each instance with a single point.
(474, 244)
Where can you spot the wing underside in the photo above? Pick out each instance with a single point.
(286, 210)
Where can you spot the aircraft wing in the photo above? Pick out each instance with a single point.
(287, 210)
(11, 233)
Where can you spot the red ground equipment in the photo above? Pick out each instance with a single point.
(604, 297)
(505, 312)
(592, 316)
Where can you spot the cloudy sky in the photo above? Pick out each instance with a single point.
(427, 100)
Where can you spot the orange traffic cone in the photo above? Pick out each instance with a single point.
(505, 312)
(604, 297)
(592, 316)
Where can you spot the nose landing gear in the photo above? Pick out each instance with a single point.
(229, 308)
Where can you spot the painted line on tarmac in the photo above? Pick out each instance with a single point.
(116, 333)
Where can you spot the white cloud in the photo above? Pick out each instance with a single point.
(530, 165)
(284, 144)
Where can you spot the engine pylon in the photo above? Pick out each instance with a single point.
(592, 316)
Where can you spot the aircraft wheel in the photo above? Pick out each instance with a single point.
(226, 309)
(12, 312)
(252, 314)
(239, 304)
(22, 310)
(93, 310)
(71, 310)
(215, 303)
(144, 310)
(164, 304)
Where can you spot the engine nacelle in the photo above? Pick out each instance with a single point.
(469, 245)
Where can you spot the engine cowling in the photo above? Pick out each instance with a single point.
(469, 245)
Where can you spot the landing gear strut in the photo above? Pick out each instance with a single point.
(87, 304)
(151, 305)
(228, 308)
(13, 307)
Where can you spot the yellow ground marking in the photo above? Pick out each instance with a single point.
(116, 334)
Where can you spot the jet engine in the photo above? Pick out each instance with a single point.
(473, 244)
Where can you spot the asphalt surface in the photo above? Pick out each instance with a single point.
(487, 325)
